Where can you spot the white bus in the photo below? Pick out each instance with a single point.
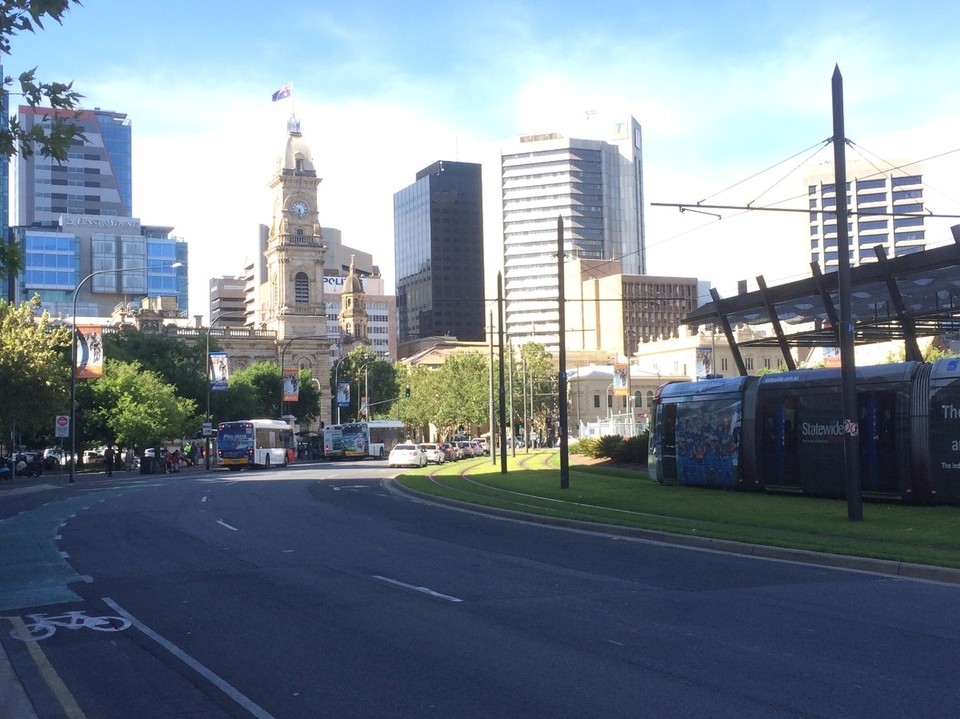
(255, 443)
(359, 440)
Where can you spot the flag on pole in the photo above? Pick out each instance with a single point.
(283, 92)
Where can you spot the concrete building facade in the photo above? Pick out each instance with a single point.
(596, 188)
(886, 210)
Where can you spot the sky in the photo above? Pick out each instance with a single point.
(734, 98)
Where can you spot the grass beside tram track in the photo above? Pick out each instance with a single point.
(627, 497)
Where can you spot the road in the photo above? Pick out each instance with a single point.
(316, 591)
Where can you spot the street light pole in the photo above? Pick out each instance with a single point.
(73, 354)
(366, 390)
(206, 438)
(336, 384)
(283, 351)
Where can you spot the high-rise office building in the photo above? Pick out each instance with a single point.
(96, 179)
(438, 249)
(8, 280)
(596, 187)
(74, 219)
(885, 206)
(227, 301)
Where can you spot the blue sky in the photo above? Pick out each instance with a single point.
(723, 90)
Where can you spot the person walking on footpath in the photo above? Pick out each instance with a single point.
(108, 458)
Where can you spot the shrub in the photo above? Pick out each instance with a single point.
(632, 450)
(607, 445)
(587, 446)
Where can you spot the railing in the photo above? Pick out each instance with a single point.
(225, 332)
(306, 240)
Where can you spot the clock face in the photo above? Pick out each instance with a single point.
(299, 208)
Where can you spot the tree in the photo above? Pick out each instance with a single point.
(181, 364)
(254, 392)
(542, 380)
(50, 139)
(366, 372)
(307, 407)
(137, 408)
(34, 374)
(454, 394)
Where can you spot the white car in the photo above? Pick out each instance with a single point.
(407, 455)
(434, 453)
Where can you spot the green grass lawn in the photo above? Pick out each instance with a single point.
(627, 497)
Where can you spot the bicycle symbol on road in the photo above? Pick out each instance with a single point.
(42, 626)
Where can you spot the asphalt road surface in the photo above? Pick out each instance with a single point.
(317, 591)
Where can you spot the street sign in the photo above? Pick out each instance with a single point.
(207, 429)
(62, 426)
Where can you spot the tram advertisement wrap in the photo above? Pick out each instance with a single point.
(945, 432)
(708, 440)
(820, 435)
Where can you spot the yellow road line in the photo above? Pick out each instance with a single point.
(49, 674)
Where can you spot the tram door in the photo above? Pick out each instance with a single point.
(878, 446)
(668, 425)
(780, 460)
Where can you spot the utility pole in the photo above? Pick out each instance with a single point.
(562, 378)
(503, 408)
(848, 365)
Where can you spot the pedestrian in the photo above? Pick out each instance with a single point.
(108, 459)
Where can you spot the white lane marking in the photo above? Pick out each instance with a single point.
(221, 684)
(204, 499)
(350, 486)
(423, 590)
(224, 524)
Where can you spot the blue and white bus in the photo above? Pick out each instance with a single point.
(255, 443)
(359, 440)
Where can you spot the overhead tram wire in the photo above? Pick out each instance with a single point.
(815, 148)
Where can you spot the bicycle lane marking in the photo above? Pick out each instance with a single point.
(33, 572)
(222, 684)
(49, 675)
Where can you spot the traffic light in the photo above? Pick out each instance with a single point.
(406, 391)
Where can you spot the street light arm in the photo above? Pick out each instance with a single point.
(73, 353)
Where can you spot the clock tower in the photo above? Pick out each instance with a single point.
(291, 297)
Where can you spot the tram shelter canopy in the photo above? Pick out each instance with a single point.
(891, 299)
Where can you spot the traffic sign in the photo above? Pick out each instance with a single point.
(62, 426)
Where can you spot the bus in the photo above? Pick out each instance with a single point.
(255, 443)
(359, 440)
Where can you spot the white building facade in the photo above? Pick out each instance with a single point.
(596, 187)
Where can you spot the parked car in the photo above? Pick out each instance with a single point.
(407, 455)
(452, 451)
(467, 449)
(477, 449)
(52, 458)
(484, 446)
(433, 452)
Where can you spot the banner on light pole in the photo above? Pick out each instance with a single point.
(89, 341)
(219, 372)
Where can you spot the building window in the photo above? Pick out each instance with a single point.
(301, 289)
(596, 400)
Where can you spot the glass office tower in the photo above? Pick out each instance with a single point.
(438, 248)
